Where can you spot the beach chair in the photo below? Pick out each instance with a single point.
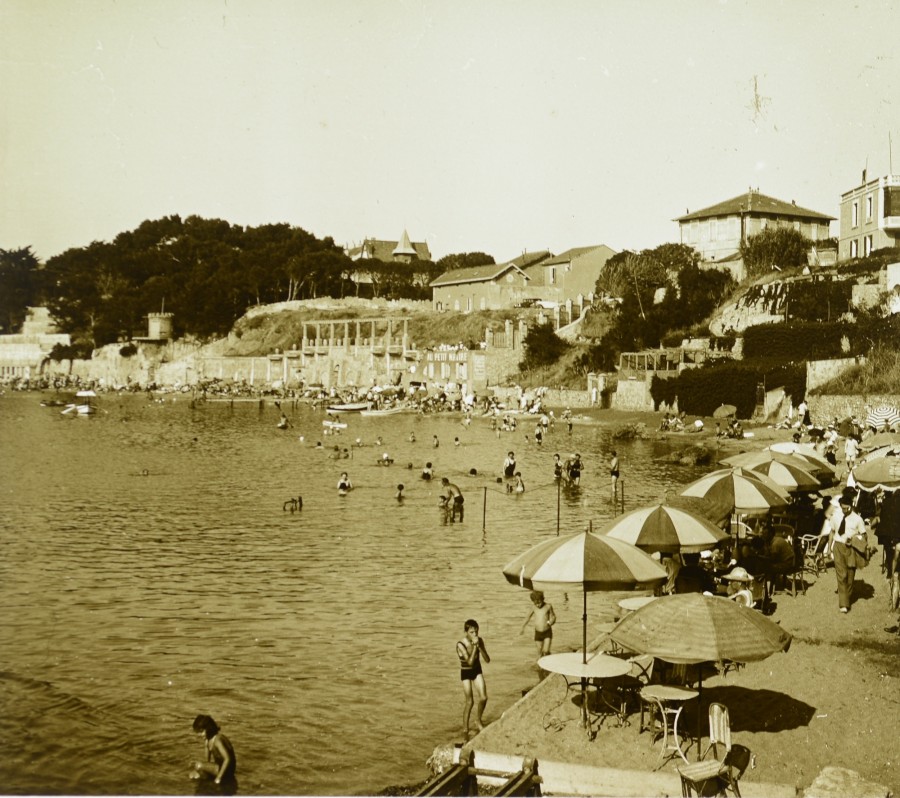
(701, 777)
(814, 554)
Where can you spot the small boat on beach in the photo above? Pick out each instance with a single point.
(347, 407)
(334, 424)
(385, 411)
(84, 408)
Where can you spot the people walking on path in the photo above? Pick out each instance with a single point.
(850, 530)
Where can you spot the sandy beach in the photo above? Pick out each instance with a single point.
(832, 700)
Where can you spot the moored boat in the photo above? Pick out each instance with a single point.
(385, 411)
(347, 407)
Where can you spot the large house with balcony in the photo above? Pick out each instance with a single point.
(717, 231)
(493, 286)
(571, 276)
(870, 217)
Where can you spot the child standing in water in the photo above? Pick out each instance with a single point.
(469, 650)
(221, 763)
(544, 618)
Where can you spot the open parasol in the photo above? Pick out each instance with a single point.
(793, 478)
(879, 416)
(745, 491)
(882, 472)
(724, 411)
(880, 439)
(664, 528)
(693, 628)
(585, 559)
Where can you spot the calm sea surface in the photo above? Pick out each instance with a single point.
(322, 641)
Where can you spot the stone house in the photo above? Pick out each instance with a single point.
(569, 277)
(493, 286)
(717, 231)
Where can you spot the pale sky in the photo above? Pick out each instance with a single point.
(478, 126)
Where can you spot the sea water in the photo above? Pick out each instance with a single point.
(150, 570)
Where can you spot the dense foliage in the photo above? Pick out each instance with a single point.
(463, 260)
(543, 347)
(20, 287)
(208, 272)
(700, 391)
(662, 290)
(778, 247)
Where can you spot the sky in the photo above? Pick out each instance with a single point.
(489, 126)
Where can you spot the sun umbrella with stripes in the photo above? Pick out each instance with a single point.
(664, 528)
(791, 477)
(818, 466)
(745, 491)
(877, 418)
(588, 560)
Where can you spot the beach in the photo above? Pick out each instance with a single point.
(832, 700)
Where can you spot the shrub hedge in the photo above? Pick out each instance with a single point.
(798, 341)
(700, 391)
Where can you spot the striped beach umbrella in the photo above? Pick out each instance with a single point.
(586, 560)
(818, 465)
(791, 477)
(745, 491)
(818, 468)
(664, 528)
(878, 417)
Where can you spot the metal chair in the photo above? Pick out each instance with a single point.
(814, 554)
(725, 773)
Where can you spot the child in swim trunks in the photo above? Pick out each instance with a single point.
(469, 650)
(544, 618)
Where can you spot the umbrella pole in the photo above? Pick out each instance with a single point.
(484, 512)
(584, 629)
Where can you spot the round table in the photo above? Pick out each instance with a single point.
(571, 666)
(635, 602)
(670, 700)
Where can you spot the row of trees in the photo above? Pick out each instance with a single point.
(206, 271)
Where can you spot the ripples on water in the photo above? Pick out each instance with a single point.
(322, 641)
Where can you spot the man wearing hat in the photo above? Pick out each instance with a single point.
(846, 559)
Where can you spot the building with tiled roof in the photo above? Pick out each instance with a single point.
(717, 231)
(493, 286)
(402, 251)
(570, 276)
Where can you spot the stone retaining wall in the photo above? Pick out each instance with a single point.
(824, 408)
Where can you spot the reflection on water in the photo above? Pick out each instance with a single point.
(150, 573)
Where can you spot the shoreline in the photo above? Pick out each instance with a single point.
(831, 701)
